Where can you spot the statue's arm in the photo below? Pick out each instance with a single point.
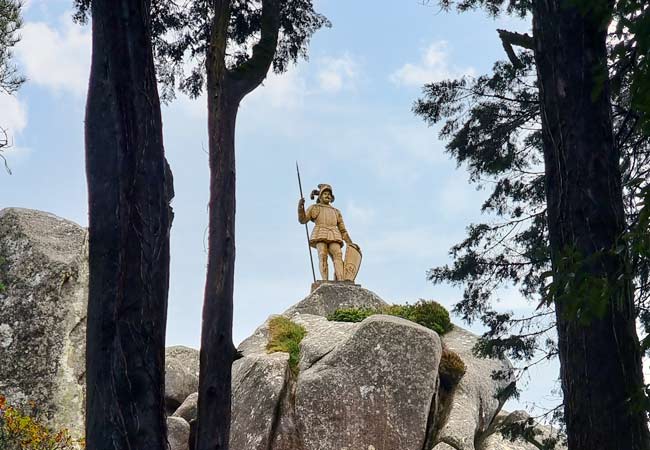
(344, 232)
(303, 217)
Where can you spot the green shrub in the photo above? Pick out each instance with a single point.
(427, 313)
(285, 336)
(26, 431)
(452, 368)
(351, 314)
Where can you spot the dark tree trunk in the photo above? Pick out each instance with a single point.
(129, 190)
(226, 88)
(599, 351)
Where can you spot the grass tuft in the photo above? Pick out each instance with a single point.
(452, 368)
(285, 336)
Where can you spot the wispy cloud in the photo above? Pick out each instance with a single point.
(337, 74)
(13, 120)
(13, 113)
(434, 65)
(57, 58)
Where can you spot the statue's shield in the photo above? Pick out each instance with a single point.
(352, 263)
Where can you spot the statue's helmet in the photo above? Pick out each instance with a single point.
(318, 192)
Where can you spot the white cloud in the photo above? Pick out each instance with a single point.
(281, 91)
(56, 58)
(337, 74)
(13, 119)
(358, 214)
(408, 244)
(13, 114)
(433, 66)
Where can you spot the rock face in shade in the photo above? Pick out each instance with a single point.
(188, 408)
(44, 268)
(181, 375)
(178, 433)
(474, 405)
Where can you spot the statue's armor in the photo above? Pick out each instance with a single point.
(328, 225)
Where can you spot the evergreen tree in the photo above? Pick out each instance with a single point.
(496, 127)
(10, 79)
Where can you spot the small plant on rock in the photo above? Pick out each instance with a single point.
(22, 431)
(427, 313)
(352, 314)
(285, 336)
(451, 369)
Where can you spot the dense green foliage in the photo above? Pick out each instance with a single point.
(427, 313)
(181, 34)
(285, 336)
(451, 369)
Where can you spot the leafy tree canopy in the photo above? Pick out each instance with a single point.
(181, 32)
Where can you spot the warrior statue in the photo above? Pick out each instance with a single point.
(329, 235)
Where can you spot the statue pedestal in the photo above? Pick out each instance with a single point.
(328, 296)
(315, 285)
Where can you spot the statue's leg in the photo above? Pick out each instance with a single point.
(322, 259)
(337, 259)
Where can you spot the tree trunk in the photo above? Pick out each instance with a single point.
(226, 88)
(217, 349)
(129, 190)
(599, 349)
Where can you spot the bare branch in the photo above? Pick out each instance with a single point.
(510, 38)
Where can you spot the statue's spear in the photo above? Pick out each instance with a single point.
(311, 258)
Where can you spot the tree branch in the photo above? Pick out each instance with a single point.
(250, 73)
(510, 38)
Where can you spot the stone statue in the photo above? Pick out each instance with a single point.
(329, 235)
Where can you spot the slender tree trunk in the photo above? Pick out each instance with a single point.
(129, 190)
(217, 349)
(226, 88)
(599, 351)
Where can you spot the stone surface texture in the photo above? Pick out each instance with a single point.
(181, 375)
(368, 385)
(178, 433)
(371, 385)
(474, 406)
(188, 408)
(374, 390)
(328, 297)
(363, 386)
(44, 267)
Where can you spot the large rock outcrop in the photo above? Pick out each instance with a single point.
(372, 385)
(350, 390)
(43, 266)
(360, 386)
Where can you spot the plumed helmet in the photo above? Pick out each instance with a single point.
(318, 192)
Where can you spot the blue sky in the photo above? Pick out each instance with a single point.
(345, 115)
